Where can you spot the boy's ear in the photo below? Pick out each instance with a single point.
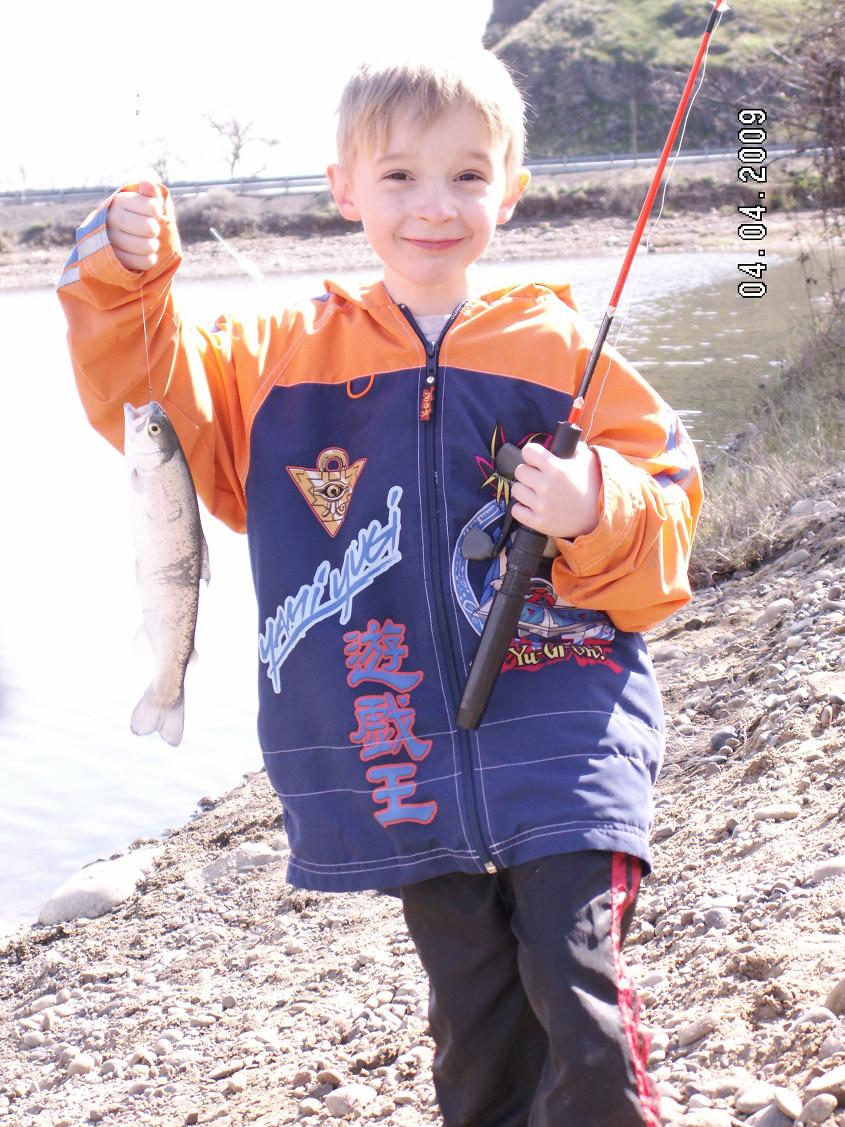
(341, 188)
(513, 195)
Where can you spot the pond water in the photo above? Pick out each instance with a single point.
(76, 784)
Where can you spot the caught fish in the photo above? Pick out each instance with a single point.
(171, 557)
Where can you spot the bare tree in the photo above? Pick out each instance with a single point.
(236, 135)
(163, 159)
(812, 102)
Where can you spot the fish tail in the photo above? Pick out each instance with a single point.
(150, 715)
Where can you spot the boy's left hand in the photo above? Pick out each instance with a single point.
(557, 496)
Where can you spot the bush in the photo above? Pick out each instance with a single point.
(227, 213)
(48, 234)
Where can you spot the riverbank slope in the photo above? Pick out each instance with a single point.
(218, 995)
(25, 265)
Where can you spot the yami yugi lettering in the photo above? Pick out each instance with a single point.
(385, 721)
(372, 552)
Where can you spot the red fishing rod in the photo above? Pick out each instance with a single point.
(527, 547)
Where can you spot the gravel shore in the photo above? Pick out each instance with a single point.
(216, 994)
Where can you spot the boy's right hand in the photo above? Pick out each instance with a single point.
(134, 225)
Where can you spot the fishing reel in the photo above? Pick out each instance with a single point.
(480, 545)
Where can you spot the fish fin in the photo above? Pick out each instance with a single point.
(141, 642)
(194, 658)
(150, 717)
(205, 571)
(137, 483)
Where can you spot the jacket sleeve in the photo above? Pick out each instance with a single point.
(128, 344)
(634, 564)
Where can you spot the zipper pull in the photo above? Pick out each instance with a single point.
(427, 400)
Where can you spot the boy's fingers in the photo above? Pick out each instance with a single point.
(534, 454)
(140, 224)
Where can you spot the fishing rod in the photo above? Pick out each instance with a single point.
(527, 547)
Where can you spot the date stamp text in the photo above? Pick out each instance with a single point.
(752, 169)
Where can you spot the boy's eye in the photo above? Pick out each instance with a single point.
(397, 175)
(470, 176)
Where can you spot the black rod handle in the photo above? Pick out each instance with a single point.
(524, 557)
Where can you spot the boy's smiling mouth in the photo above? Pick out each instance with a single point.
(432, 244)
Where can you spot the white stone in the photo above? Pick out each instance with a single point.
(99, 888)
(832, 1082)
(776, 813)
(832, 867)
(348, 1099)
(250, 855)
(693, 1032)
(770, 1116)
(708, 1117)
(775, 610)
(81, 1065)
(819, 1109)
(835, 1001)
(754, 1097)
(788, 1102)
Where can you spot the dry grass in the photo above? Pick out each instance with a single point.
(799, 430)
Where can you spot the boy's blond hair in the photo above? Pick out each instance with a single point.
(377, 91)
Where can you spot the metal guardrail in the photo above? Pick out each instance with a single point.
(316, 182)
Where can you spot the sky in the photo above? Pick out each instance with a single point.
(92, 93)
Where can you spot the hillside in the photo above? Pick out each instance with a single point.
(605, 75)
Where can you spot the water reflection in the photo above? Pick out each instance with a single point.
(76, 784)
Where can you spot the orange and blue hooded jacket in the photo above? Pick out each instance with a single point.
(357, 456)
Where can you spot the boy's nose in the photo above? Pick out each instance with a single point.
(434, 203)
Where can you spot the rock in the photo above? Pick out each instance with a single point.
(81, 1065)
(832, 867)
(309, 1106)
(818, 1109)
(788, 1102)
(832, 1082)
(33, 1039)
(835, 1001)
(770, 1116)
(774, 611)
(666, 653)
(717, 918)
(250, 855)
(348, 1099)
(695, 1031)
(708, 1117)
(776, 813)
(721, 737)
(753, 1098)
(98, 888)
(814, 1016)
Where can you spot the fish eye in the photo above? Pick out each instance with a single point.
(153, 428)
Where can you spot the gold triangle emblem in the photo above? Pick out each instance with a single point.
(328, 488)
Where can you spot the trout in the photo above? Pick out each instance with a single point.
(171, 557)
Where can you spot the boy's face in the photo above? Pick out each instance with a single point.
(429, 200)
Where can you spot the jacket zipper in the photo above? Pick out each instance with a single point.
(428, 401)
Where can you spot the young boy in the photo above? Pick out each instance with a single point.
(354, 437)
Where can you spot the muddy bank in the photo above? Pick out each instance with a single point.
(22, 266)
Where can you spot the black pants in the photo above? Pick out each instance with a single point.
(533, 1017)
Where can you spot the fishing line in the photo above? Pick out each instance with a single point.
(141, 277)
(637, 279)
